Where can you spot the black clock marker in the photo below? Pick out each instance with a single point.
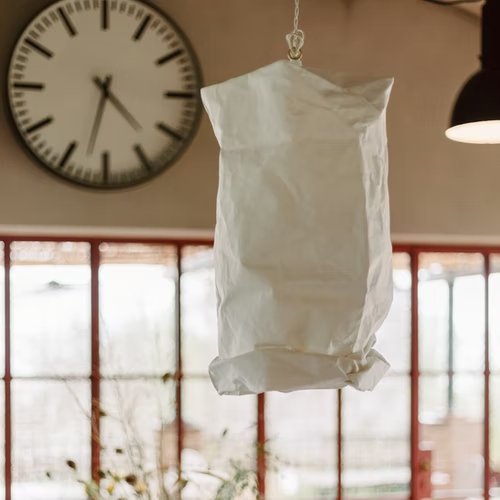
(70, 27)
(168, 57)
(28, 86)
(44, 51)
(167, 130)
(179, 95)
(105, 166)
(104, 15)
(67, 154)
(142, 157)
(142, 27)
(39, 125)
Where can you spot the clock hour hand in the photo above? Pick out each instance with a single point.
(118, 105)
(98, 115)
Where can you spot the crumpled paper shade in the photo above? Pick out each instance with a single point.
(302, 243)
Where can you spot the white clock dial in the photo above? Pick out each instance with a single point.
(104, 93)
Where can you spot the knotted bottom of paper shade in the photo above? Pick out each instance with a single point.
(284, 370)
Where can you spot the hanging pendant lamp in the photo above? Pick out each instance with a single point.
(476, 115)
(302, 247)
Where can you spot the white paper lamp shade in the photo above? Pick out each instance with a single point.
(303, 257)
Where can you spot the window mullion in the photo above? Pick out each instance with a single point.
(414, 426)
(339, 445)
(178, 354)
(487, 472)
(7, 375)
(261, 443)
(95, 375)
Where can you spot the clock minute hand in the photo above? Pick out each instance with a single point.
(118, 105)
(98, 115)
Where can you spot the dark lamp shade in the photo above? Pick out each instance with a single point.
(476, 115)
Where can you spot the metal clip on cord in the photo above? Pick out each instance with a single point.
(296, 38)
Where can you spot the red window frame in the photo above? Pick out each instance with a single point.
(412, 250)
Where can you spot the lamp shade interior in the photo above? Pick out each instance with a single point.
(481, 132)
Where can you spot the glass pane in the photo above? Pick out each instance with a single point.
(135, 429)
(376, 442)
(452, 430)
(451, 311)
(433, 325)
(495, 313)
(433, 394)
(50, 426)
(2, 442)
(50, 303)
(394, 337)
(219, 436)
(468, 323)
(199, 310)
(2, 313)
(302, 441)
(495, 435)
(137, 293)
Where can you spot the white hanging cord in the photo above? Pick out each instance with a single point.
(296, 38)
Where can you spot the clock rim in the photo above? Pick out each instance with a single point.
(82, 184)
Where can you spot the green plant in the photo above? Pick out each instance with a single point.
(238, 480)
(136, 477)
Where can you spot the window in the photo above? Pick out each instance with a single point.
(104, 363)
(50, 338)
(451, 360)
(104, 366)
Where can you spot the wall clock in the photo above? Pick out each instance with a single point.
(104, 93)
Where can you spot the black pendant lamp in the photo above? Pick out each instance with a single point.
(476, 115)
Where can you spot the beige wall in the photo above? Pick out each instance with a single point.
(437, 187)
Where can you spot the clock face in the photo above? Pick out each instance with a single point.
(104, 93)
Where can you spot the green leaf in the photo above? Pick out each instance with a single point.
(92, 490)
